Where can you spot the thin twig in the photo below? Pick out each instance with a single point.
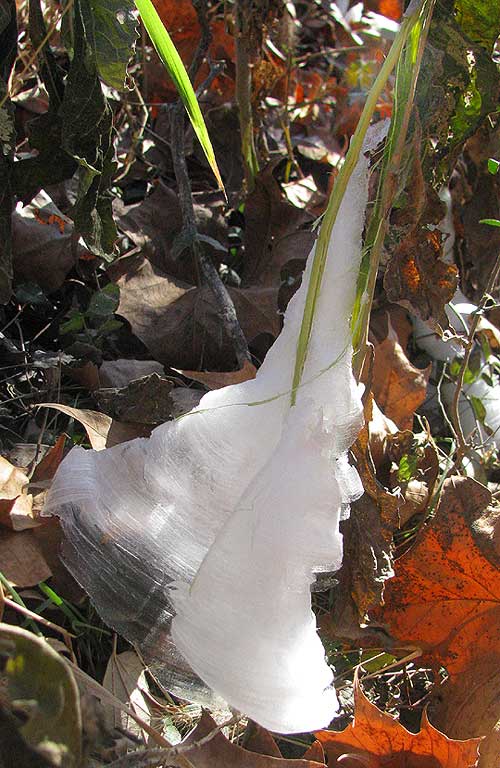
(462, 446)
(205, 265)
(149, 758)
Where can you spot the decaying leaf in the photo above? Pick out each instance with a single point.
(417, 278)
(445, 599)
(42, 696)
(376, 739)
(143, 401)
(119, 373)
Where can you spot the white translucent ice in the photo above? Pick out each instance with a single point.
(227, 513)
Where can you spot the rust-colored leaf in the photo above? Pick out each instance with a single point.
(376, 739)
(417, 277)
(398, 387)
(445, 599)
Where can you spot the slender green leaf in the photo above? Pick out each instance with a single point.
(491, 222)
(173, 64)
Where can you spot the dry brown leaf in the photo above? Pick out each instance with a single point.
(103, 431)
(218, 379)
(46, 468)
(145, 401)
(445, 599)
(180, 324)
(16, 505)
(21, 560)
(258, 739)
(220, 752)
(398, 387)
(375, 739)
(125, 678)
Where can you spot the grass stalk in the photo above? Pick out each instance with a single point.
(410, 20)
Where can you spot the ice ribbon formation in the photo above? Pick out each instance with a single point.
(222, 518)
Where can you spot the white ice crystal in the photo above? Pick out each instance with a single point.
(222, 517)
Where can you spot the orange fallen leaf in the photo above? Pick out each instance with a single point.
(445, 600)
(218, 379)
(375, 739)
(398, 387)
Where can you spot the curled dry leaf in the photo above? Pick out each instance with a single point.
(376, 739)
(103, 431)
(445, 599)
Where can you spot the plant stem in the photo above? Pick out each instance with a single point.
(244, 93)
(332, 210)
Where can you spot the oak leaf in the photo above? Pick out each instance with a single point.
(445, 600)
(376, 739)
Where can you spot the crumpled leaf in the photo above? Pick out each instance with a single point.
(445, 599)
(112, 33)
(15, 503)
(39, 684)
(143, 401)
(376, 739)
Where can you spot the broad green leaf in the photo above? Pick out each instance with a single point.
(173, 64)
(480, 20)
(112, 33)
(37, 682)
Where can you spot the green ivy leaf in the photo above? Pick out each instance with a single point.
(112, 33)
(493, 166)
(104, 303)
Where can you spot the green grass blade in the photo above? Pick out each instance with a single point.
(173, 64)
